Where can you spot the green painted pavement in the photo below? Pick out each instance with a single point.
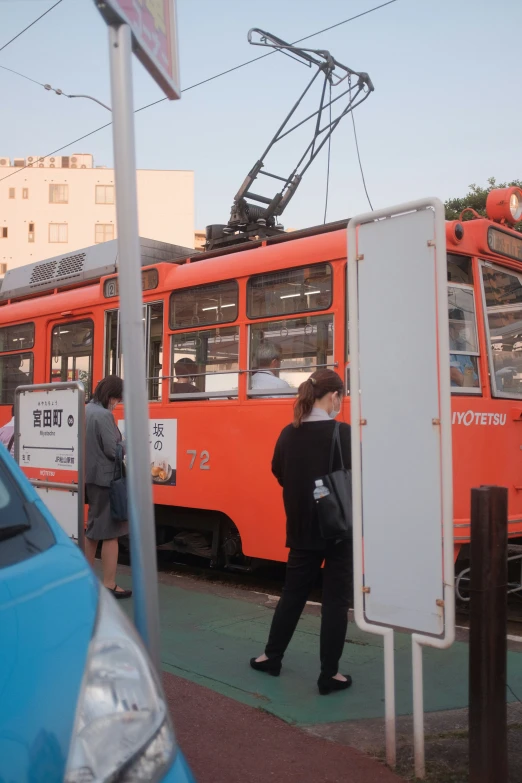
(209, 639)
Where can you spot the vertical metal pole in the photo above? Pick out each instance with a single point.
(80, 394)
(389, 699)
(487, 636)
(418, 708)
(141, 511)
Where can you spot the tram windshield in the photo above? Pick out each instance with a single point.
(503, 298)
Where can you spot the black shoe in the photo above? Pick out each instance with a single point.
(119, 593)
(328, 684)
(270, 666)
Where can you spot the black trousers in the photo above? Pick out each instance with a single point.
(301, 573)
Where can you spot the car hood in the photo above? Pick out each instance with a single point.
(48, 608)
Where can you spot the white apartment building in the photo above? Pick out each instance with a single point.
(58, 204)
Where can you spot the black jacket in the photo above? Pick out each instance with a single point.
(302, 455)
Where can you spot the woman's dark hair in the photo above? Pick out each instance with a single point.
(109, 387)
(317, 385)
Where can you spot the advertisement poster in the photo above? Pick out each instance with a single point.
(163, 444)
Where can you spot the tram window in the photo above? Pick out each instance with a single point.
(283, 354)
(464, 350)
(153, 333)
(205, 304)
(15, 370)
(15, 338)
(290, 291)
(71, 352)
(205, 363)
(503, 299)
(459, 269)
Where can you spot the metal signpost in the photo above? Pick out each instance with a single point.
(146, 27)
(49, 447)
(401, 438)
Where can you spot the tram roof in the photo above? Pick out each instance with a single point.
(81, 266)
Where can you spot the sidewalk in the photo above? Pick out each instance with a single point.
(228, 711)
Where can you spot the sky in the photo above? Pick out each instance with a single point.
(445, 112)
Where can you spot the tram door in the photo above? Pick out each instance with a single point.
(71, 350)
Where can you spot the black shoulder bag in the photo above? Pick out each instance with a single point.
(334, 510)
(118, 489)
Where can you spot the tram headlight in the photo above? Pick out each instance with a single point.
(122, 729)
(505, 205)
(515, 206)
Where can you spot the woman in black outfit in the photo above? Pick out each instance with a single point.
(302, 455)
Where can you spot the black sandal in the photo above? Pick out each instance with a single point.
(119, 593)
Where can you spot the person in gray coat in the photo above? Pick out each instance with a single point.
(102, 437)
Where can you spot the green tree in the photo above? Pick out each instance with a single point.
(476, 199)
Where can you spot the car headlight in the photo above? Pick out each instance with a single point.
(122, 729)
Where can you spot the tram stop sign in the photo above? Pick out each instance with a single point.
(154, 38)
(49, 448)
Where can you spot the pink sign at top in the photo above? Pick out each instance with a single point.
(153, 25)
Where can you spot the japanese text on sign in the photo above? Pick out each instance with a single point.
(48, 424)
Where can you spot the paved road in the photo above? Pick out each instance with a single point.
(225, 741)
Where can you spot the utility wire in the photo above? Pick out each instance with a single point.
(360, 164)
(34, 81)
(197, 84)
(29, 25)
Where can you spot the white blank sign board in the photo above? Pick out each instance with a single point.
(400, 443)
(63, 505)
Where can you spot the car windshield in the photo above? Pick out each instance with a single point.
(24, 531)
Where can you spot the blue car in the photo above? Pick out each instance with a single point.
(79, 700)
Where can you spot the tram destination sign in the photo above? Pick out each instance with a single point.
(504, 244)
(154, 39)
(149, 281)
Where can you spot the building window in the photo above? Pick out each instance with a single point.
(12, 192)
(58, 194)
(4, 232)
(25, 192)
(104, 232)
(30, 233)
(58, 232)
(105, 194)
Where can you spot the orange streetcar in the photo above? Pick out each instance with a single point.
(231, 333)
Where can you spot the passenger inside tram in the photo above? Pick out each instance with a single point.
(185, 370)
(268, 364)
(13, 376)
(462, 367)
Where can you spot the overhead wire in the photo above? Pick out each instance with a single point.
(360, 163)
(29, 25)
(197, 84)
(29, 79)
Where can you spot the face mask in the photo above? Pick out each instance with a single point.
(333, 413)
